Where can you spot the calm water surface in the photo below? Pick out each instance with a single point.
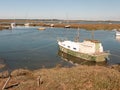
(33, 49)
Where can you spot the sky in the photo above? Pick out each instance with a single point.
(60, 9)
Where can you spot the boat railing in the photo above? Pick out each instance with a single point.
(61, 39)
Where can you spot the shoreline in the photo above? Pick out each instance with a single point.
(2, 64)
(76, 26)
(84, 77)
(85, 24)
(4, 27)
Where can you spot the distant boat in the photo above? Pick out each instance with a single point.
(91, 50)
(12, 25)
(41, 28)
(51, 25)
(67, 26)
(26, 24)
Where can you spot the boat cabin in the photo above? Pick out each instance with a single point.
(87, 46)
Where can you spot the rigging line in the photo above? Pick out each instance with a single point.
(14, 51)
(115, 55)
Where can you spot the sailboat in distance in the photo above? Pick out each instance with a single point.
(27, 24)
(91, 50)
(68, 25)
(12, 25)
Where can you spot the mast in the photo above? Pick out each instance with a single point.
(92, 33)
(77, 36)
(67, 23)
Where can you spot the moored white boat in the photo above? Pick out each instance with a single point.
(41, 28)
(26, 24)
(67, 26)
(51, 25)
(91, 50)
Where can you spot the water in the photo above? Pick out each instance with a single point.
(33, 49)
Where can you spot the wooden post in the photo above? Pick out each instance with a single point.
(6, 83)
(39, 81)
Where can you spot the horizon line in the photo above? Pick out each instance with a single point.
(56, 19)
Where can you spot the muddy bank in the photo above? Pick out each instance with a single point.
(4, 27)
(2, 63)
(98, 26)
(2, 66)
(75, 78)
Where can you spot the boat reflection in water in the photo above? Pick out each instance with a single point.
(78, 61)
(118, 35)
(118, 38)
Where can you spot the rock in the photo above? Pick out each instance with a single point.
(4, 74)
(2, 64)
(20, 72)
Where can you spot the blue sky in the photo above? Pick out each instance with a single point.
(61, 9)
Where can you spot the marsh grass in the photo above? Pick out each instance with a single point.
(74, 78)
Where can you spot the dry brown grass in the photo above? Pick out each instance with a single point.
(85, 26)
(75, 78)
(92, 26)
(4, 27)
(2, 66)
(81, 78)
(97, 26)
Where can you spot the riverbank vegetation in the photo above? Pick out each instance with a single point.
(85, 26)
(59, 78)
(81, 26)
(4, 27)
(94, 25)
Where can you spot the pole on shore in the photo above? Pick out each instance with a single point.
(3, 88)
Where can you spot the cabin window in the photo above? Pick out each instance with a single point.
(74, 48)
(68, 46)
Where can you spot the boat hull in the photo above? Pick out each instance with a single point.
(97, 57)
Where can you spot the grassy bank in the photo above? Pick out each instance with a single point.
(75, 78)
(45, 23)
(2, 66)
(84, 26)
(4, 27)
(97, 26)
